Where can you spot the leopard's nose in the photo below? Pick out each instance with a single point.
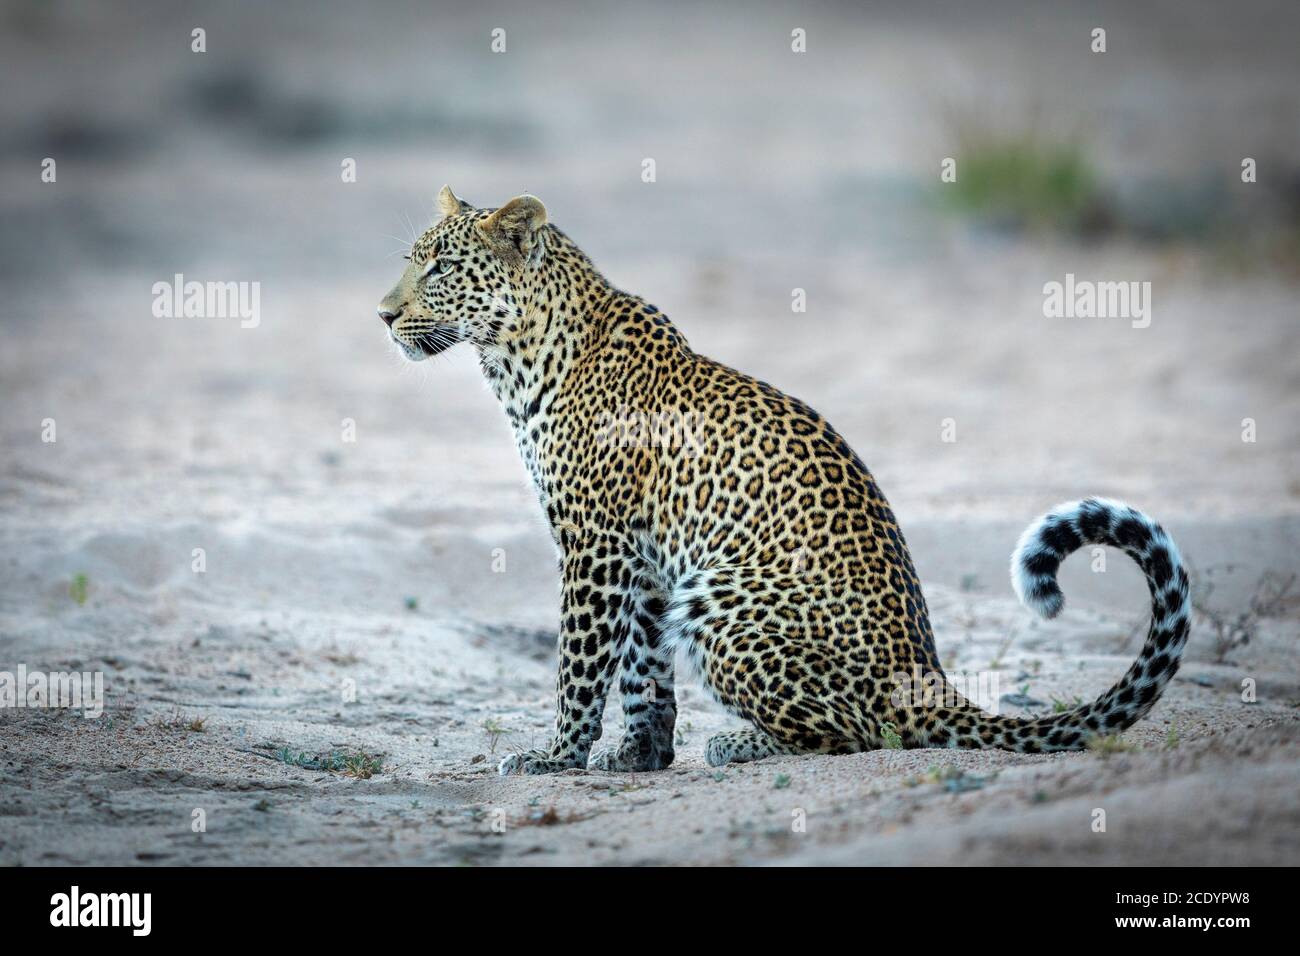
(389, 317)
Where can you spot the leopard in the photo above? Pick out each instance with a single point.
(703, 517)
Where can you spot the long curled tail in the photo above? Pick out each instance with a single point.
(1042, 548)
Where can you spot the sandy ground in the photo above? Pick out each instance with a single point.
(371, 566)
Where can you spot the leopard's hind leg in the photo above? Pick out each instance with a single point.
(770, 649)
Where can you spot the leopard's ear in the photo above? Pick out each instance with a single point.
(449, 204)
(513, 230)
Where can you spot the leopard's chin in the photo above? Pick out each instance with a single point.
(409, 352)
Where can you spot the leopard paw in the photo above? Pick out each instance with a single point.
(535, 762)
(637, 750)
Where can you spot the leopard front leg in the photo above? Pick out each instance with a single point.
(646, 687)
(590, 635)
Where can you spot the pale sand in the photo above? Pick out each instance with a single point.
(312, 548)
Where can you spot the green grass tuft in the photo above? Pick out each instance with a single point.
(1060, 705)
(77, 589)
(889, 734)
(1020, 181)
(1107, 744)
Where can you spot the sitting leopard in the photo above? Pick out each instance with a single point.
(746, 532)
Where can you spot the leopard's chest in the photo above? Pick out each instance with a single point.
(563, 458)
(545, 453)
(530, 455)
(556, 419)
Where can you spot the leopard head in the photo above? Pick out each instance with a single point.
(469, 277)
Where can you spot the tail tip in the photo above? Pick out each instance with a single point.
(1045, 599)
(1035, 584)
(1033, 573)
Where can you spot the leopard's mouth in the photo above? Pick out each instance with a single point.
(426, 344)
(433, 343)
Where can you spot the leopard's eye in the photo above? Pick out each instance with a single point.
(437, 267)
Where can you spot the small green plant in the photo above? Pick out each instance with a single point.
(1171, 737)
(1060, 705)
(78, 588)
(412, 603)
(781, 782)
(300, 759)
(1107, 744)
(889, 734)
(495, 730)
(361, 766)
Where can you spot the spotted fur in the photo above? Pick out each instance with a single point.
(695, 508)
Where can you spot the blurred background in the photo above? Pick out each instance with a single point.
(369, 551)
(775, 170)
